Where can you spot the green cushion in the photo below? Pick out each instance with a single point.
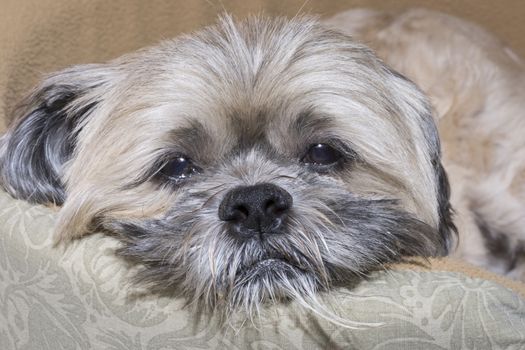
(79, 299)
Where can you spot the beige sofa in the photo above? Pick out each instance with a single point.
(79, 298)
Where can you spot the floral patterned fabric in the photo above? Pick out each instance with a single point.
(78, 298)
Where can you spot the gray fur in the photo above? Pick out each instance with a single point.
(43, 137)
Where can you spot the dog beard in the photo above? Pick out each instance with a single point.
(269, 159)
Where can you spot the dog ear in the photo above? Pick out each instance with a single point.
(37, 146)
(426, 123)
(447, 228)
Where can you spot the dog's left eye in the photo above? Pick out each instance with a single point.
(321, 154)
(179, 168)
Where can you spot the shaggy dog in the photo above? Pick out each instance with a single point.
(268, 159)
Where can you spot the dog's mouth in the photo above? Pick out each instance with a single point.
(269, 266)
(273, 278)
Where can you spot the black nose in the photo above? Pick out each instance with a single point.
(255, 209)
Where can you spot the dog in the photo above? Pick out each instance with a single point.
(269, 159)
(477, 87)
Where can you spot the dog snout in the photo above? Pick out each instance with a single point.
(255, 209)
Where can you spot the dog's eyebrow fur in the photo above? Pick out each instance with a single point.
(308, 122)
(310, 127)
(191, 140)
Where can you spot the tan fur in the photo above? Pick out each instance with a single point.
(477, 86)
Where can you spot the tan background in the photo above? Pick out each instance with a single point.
(39, 36)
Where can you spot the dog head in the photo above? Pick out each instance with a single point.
(265, 159)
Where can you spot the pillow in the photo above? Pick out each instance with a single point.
(79, 298)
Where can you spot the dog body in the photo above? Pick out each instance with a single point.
(262, 160)
(477, 87)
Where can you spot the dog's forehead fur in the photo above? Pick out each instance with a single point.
(258, 68)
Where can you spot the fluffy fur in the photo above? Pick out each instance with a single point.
(477, 86)
(245, 102)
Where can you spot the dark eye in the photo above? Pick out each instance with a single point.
(322, 154)
(179, 168)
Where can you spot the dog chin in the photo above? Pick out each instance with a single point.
(270, 270)
(272, 276)
(271, 279)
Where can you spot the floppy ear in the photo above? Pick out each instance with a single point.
(447, 228)
(429, 131)
(37, 146)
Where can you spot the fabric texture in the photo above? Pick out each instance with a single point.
(78, 298)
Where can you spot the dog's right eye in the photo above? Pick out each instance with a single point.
(179, 168)
(322, 154)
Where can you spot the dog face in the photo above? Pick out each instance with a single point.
(266, 159)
